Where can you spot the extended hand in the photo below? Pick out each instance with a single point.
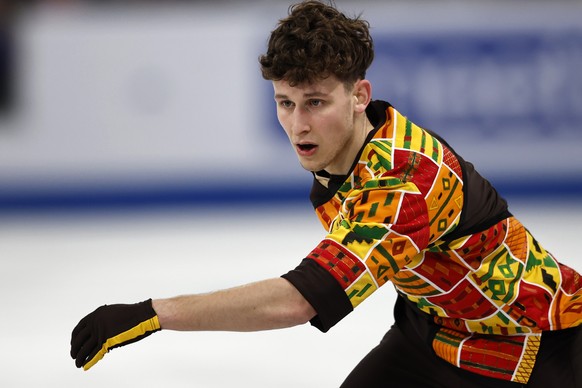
(111, 326)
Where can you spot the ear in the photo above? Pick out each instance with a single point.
(362, 93)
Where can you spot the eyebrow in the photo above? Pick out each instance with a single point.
(305, 95)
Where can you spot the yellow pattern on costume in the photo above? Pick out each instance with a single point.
(491, 291)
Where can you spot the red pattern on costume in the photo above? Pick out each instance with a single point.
(416, 168)
(412, 220)
(499, 358)
(492, 292)
(444, 275)
(465, 301)
(482, 244)
(339, 261)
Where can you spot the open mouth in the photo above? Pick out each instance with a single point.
(306, 147)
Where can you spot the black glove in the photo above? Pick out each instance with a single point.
(111, 326)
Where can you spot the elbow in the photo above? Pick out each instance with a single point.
(300, 312)
(291, 308)
(306, 313)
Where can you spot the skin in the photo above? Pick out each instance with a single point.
(326, 125)
(325, 121)
(264, 305)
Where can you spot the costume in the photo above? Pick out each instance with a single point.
(474, 282)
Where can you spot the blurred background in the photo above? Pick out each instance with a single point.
(140, 156)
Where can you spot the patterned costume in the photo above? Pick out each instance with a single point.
(414, 213)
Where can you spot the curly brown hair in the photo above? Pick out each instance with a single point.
(316, 41)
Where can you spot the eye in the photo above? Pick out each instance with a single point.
(285, 104)
(315, 102)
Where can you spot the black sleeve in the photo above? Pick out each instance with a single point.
(322, 291)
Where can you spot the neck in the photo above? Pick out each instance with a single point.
(363, 128)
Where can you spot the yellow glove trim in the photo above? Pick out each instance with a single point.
(144, 327)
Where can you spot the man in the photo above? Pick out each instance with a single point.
(480, 302)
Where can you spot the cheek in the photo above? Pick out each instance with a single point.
(285, 125)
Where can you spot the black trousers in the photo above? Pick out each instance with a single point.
(403, 359)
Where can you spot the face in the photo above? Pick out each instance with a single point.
(326, 123)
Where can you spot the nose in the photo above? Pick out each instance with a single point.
(300, 121)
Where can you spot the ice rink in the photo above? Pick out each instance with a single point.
(56, 268)
(116, 102)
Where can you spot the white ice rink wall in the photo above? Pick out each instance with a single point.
(140, 105)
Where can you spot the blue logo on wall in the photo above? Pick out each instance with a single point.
(484, 83)
(481, 83)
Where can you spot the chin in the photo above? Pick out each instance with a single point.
(310, 167)
(312, 164)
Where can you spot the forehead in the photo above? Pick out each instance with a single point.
(324, 87)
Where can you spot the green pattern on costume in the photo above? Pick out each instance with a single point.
(491, 292)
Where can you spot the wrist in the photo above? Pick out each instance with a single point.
(160, 307)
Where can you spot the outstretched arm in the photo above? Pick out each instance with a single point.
(264, 305)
